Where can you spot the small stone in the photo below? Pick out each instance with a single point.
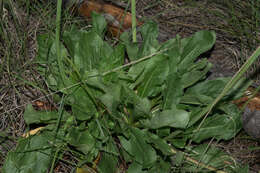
(251, 122)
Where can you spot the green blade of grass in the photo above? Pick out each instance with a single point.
(133, 11)
(57, 41)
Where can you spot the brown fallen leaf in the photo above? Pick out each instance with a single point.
(254, 103)
(43, 106)
(32, 132)
(118, 19)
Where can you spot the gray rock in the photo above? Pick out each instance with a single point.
(251, 122)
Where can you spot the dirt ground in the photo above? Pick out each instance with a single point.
(174, 17)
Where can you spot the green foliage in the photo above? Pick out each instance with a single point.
(31, 155)
(146, 108)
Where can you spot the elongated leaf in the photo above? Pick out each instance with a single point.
(83, 107)
(199, 43)
(211, 88)
(169, 118)
(108, 163)
(196, 99)
(160, 166)
(173, 88)
(219, 126)
(132, 49)
(173, 91)
(197, 75)
(210, 155)
(150, 45)
(149, 32)
(112, 98)
(137, 146)
(48, 64)
(160, 144)
(154, 75)
(32, 116)
(140, 107)
(86, 57)
(31, 155)
(99, 24)
(116, 59)
(82, 140)
(44, 42)
(135, 168)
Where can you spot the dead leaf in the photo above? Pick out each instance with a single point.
(118, 19)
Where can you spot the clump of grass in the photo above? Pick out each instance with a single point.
(20, 22)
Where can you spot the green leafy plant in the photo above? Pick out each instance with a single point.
(146, 113)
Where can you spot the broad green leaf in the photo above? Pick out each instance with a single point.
(111, 147)
(135, 168)
(86, 57)
(138, 148)
(116, 59)
(44, 42)
(155, 73)
(139, 107)
(32, 116)
(210, 155)
(211, 88)
(61, 76)
(196, 99)
(108, 163)
(82, 100)
(99, 24)
(173, 91)
(169, 118)
(149, 32)
(173, 88)
(93, 80)
(199, 43)
(97, 129)
(230, 109)
(31, 155)
(112, 98)
(81, 139)
(197, 75)
(159, 144)
(131, 48)
(200, 65)
(179, 158)
(160, 166)
(239, 89)
(48, 65)
(219, 126)
(179, 142)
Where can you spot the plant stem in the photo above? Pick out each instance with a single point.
(57, 41)
(133, 11)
